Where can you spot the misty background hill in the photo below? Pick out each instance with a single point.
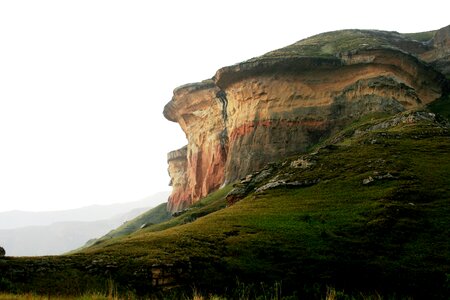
(56, 232)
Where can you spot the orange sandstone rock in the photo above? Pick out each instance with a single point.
(265, 109)
(198, 110)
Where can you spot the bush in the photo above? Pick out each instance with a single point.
(2, 252)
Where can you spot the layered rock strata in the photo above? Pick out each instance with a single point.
(265, 109)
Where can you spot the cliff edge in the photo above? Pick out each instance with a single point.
(283, 102)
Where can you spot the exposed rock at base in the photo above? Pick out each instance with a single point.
(248, 184)
(274, 175)
(298, 172)
(277, 105)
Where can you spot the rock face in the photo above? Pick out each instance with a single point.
(277, 105)
(439, 54)
(197, 169)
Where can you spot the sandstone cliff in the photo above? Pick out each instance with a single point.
(283, 102)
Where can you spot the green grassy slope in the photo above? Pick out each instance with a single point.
(420, 36)
(153, 216)
(158, 218)
(368, 210)
(390, 234)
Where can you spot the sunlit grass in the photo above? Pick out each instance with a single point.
(242, 292)
(37, 297)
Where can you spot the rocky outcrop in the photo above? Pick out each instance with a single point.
(199, 168)
(271, 107)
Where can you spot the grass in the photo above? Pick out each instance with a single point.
(211, 203)
(109, 294)
(331, 43)
(421, 36)
(37, 297)
(156, 215)
(338, 222)
(390, 235)
(162, 219)
(242, 292)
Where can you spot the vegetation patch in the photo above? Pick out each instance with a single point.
(421, 36)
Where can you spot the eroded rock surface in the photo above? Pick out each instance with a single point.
(277, 105)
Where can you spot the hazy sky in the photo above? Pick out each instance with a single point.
(83, 83)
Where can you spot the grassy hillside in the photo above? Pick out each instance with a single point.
(366, 211)
(153, 216)
(389, 234)
(158, 218)
(330, 43)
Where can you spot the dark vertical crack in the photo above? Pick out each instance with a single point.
(222, 97)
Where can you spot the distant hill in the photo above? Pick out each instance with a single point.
(70, 229)
(17, 219)
(57, 238)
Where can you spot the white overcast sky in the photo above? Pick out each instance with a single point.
(83, 83)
